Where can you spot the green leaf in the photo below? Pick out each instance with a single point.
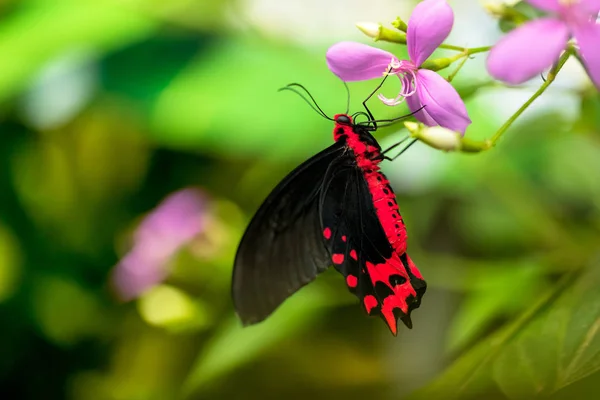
(63, 311)
(235, 345)
(37, 34)
(496, 292)
(233, 88)
(11, 259)
(589, 120)
(553, 345)
(227, 101)
(168, 307)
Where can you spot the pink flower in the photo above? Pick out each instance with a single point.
(428, 26)
(535, 46)
(166, 229)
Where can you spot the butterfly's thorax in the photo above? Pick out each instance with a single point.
(368, 156)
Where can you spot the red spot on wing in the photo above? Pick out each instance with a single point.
(337, 258)
(327, 233)
(352, 281)
(370, 301)
(343, 238)
(353, 254)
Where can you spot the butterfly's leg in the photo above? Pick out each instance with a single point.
(395, 145)
(371, 95)
(404, 149)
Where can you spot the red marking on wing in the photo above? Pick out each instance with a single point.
(337, 258)
(353, 254)
(327, 233)
(370, 302)
(400, 293)
(344, 238)
(352, 281)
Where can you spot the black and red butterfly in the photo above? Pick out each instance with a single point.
(335, 208)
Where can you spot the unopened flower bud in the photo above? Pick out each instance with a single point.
(400, 25)
(371, 29)
(495, 9)
(499, 8)
(379, 32)
(437, 64)
(435, 136)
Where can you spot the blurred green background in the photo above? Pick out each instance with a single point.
(109, 106)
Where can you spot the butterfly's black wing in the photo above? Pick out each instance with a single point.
(387, 283)
(283, 247)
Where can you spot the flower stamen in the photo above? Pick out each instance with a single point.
(406, 72)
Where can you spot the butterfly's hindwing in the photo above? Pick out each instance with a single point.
(360, 249)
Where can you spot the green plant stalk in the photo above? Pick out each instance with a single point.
(549, 79)
(474, 146)
(466, 50)
(390, 35)
(458, 68)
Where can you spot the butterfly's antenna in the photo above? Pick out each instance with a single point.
(305, 99)
(348, 97)
(312, 104)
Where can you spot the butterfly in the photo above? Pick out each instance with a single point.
(337, 208)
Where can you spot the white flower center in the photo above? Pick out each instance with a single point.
(407, 72)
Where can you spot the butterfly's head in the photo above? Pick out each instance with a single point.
(343, 119)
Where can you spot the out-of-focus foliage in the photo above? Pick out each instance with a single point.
(109, 106)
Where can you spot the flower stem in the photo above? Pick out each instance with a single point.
(475, 50)
(549, 79)
(453, 74)
(477, 146)
(451, 47)
(465, 50)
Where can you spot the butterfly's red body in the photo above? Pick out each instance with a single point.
(385, 204)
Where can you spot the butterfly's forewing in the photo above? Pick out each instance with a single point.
(283, 248)
(387, 283)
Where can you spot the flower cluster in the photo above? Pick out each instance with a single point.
(530, 49)
(519, 56)
(433, 99)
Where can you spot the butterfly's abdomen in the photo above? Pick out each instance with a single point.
(387, 210)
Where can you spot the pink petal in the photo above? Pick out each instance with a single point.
(176, 220)
(546, 5)
(414, 104)
(171, 225)
(352, 61)
(429, 25)
(528, 50)
(590, 6)
(443, 105)
(588, 37)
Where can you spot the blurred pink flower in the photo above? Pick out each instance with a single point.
(530, 49)
(429, 25)
(164, 231)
